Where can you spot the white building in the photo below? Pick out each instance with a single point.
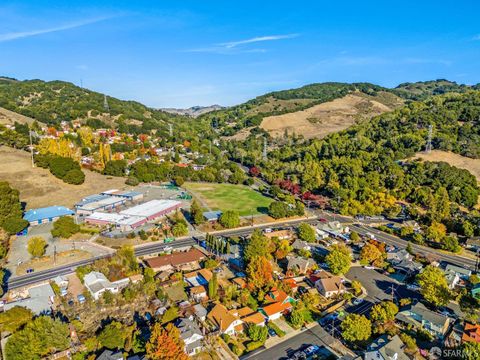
(97, 284)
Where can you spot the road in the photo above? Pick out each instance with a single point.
(313, 336)
(140, 250)
(426, 251)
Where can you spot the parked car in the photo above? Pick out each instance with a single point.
(358, 301)
(30, 271)
(271, 333)
(312, 349)
(302, 290)
(413, 287)
(369, 267)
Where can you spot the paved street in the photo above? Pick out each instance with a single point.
(313, 336)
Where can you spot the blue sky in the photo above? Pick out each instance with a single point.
(184, 53)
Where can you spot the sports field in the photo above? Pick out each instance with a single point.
(229, 197)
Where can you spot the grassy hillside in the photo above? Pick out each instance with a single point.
(250, 114)
(55, 101)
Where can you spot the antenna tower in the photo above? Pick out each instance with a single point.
(428, 147)
(264, 154)
(105, 104)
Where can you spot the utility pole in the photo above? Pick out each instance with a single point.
(31, 146)
(55, 254)
(428, 147)
(393, 298)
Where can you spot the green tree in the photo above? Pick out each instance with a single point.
(65, 227)
(179, 180)
(115, 168)
(40, 337)
(14, 318)
(436, 232)
(356, 328)
(470, 350)
(10, 209)
(229, 219)
(179, 229)
(170, 314)
(306, 233)
(196, 213)
(36, 246)
(354, 236)
(338, 259)
(278, 209)
(113, 335)
(356, 287)
(213, 287)
(258, 245)
(13, 225)
(434, 286)
(75, 177)
(257, 333)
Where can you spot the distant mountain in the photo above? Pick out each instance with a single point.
(194, 111)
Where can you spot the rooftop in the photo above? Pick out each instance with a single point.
(221, 317)
(39, 300)
(151, 207)
(101, 203)
(46, 213)
(212, 215)
(388, 348)
(175, 259)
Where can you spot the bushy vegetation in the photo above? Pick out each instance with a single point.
(64, 168)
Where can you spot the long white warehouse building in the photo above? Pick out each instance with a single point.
(152, 209)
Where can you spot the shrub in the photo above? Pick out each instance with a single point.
(65, 227)
(253, 345)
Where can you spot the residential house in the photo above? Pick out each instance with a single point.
(335, 229)
(278, 303)
(239, 282)
(327, 284)
(200, 312)
(452, 279)
(301, 245)
(177, 261)
(476, 291)
(110, 355)
(473, 243)
(463, 273)
(402, 261)
(198, 293)
(199, 277)
(96, 283)
(419, 316)
(384, 348)
(280, 234)
(224, 321)
(413, 224)
(299, 265)
(191, 335)
(471, 333)
(248, 316)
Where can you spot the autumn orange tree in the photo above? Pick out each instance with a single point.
(259, 272)
(165, 344)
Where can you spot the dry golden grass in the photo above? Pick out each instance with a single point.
(39, 188)
(47, 262)
(333, 116)
(8, 117)
(459, 161)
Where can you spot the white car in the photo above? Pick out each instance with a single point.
(369, 267)
(358, 301)
(413, 287)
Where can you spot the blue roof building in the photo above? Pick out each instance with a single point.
(212, 215)
(46, 215)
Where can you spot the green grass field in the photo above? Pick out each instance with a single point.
(229, 197)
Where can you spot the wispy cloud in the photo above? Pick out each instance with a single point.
(476, 37)
(256, 39)
(72, 25)
(235, 47)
